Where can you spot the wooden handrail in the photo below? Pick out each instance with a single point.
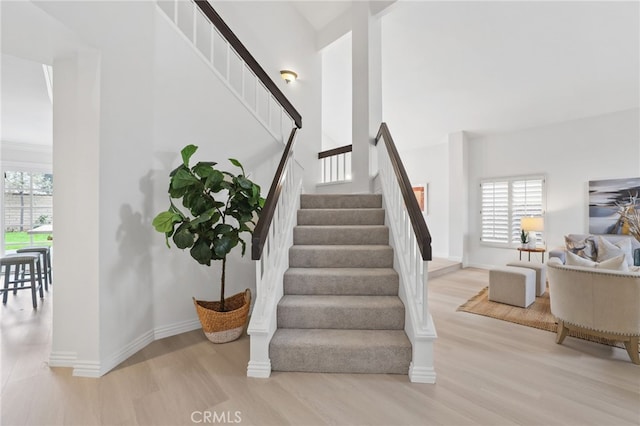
(415, 215)
(251, 62)
(261, 230)
(335, 151)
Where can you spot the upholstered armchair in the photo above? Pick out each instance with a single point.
(600, 302)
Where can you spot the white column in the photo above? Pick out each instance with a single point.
(366, 92)
(458, 196)
(76, 136)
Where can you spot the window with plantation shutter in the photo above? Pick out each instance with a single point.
(495, 212)
(505, 202)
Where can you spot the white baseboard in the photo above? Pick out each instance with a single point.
(125, 352)
(87, 369)
(62, 359)
(177, 328)
(480, 266)
(84, 368)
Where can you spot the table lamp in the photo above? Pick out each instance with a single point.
(532, 225)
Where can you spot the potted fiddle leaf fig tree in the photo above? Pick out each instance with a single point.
(219, 207)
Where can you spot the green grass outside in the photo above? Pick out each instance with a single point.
(18, 240)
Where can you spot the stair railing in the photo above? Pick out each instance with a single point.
(412, 247)
(224, 53)
(271, 240)
(335, 164)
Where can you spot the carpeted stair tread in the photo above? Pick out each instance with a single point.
(341, 256)
(338, 311)
(345, 281)
(340, 351)
(340, 201)
(345, 216)
(340, 234)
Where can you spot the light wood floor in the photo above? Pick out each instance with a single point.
(490, 372)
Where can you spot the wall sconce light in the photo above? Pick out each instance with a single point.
(288, 76)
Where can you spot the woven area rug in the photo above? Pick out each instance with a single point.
(538, 315)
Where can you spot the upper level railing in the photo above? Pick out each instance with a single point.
(213, 40)
(420, 229)
(335, 164)
(251, 62)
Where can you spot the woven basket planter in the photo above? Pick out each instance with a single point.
(223, 327)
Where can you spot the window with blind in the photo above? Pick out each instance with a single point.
(504, 203)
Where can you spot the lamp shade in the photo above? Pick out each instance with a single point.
(535, 224)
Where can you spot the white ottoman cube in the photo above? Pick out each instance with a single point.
(512, 285)
(541, 274)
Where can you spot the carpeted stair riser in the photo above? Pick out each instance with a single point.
(371, 256)
(341, 351)
(343, 312)
(341, 281)
(345, 235)
(338, 217)
(337, 201)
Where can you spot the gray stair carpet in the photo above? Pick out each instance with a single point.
(341, 312)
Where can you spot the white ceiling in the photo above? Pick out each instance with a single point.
(321, 13)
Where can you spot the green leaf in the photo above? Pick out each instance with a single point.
(213, 180)
(204, 217)
(204, 169)
(223, 229)
(201, 252)
(186, 153)
(174, 171)
(183, 238)
(183, 179)
(245, 183)
(222, 246)
(164, 221)
(236, 163)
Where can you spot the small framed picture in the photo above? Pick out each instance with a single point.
(421, 194)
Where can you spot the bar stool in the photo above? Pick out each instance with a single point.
(45, 255)
(22, 260)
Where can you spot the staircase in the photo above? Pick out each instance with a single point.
(340, 312)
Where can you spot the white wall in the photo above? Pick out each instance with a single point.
(336, 93)
(569, 154)
(153, 94)
(430, 165)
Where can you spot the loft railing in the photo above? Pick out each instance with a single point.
(251, 62)
(335, 164)
(221, 49)
(411, 241)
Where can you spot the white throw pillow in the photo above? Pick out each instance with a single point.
(616, 263)
(609, 250)
(575, 260)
